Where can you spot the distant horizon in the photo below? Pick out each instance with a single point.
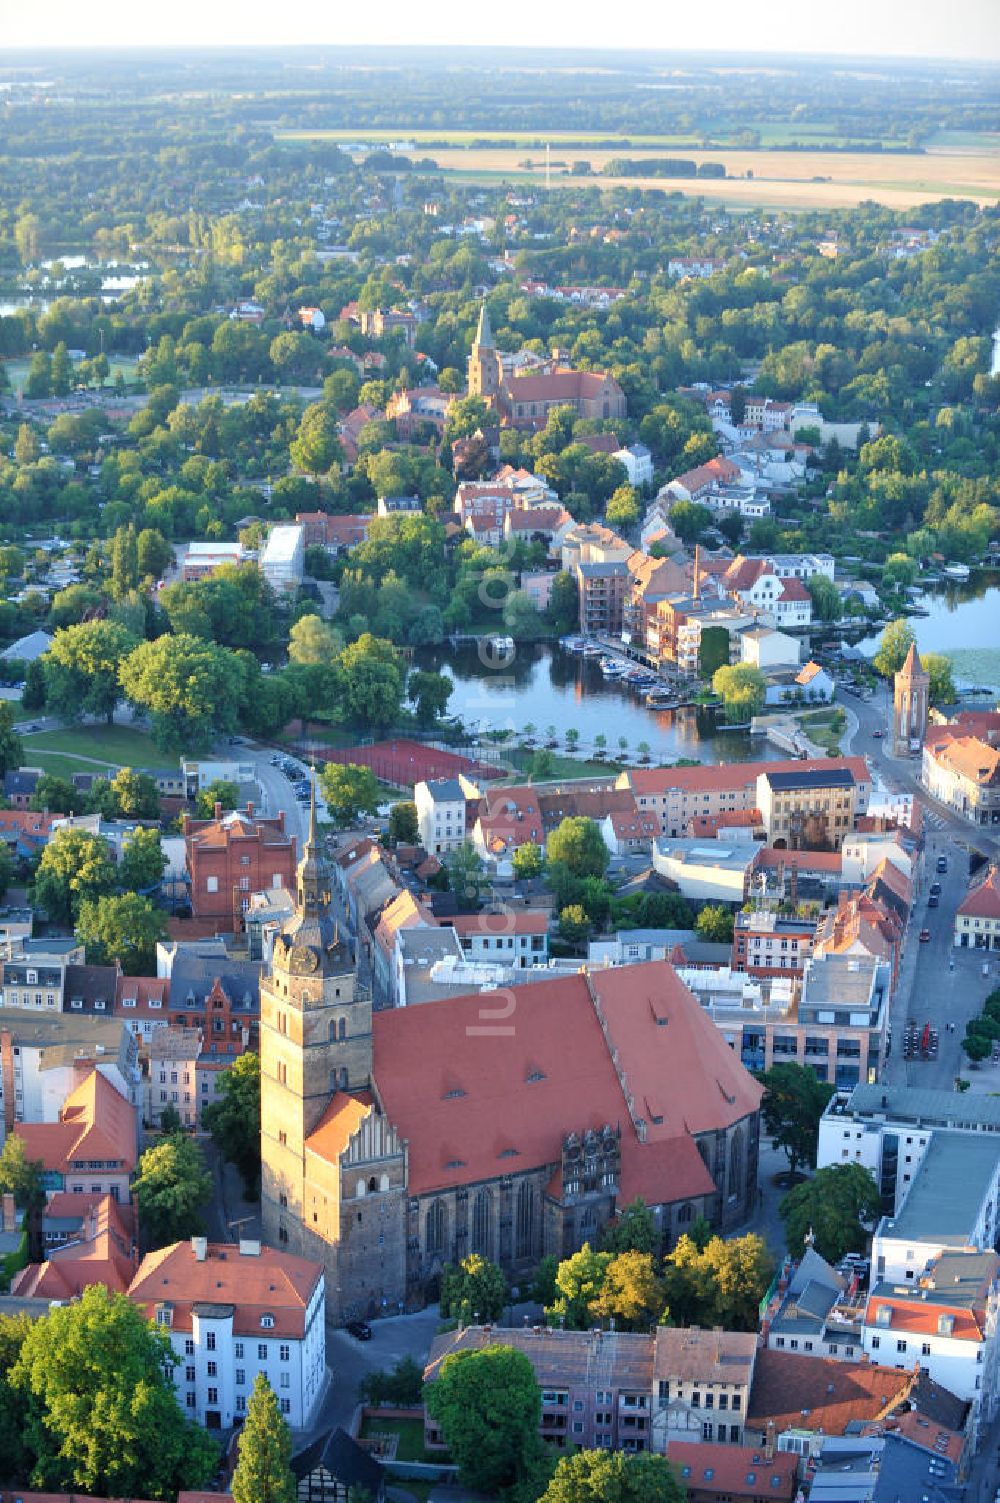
(875, 30)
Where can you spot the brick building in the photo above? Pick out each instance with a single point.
(232, 855)
(395, 1143)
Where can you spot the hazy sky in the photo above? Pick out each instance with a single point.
(907, 28)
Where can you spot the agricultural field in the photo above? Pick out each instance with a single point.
(786, 179)
(959, 165)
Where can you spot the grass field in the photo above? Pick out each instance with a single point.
(17, 370)
(114, 745)
(779, 134)
(789, 179)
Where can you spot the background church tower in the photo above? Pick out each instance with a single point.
(484, 362)
(315, 1038)
(910, 703)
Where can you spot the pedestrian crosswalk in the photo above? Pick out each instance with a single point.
(936, 821)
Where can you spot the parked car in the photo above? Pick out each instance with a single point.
(925, 935)
(933, 900)
(359, 1329)
(878, 735)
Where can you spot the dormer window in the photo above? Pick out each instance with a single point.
(267, 1322)
(128, 1001)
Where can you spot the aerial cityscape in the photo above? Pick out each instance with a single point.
(500, 755)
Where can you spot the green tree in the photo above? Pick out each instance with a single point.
(613, 1477)
(633, 1231)
(466, 873)
(489, 1406)
(473, 1293)
(234, 1119)
(143, 862)
(623, 508)
(154, 553)
(522, 618)
(826, 602)
(713, 651)
(102, 1415)
(835, 1206)
(689, 520)
(75, 868)
(564, 603)
(714, 924)
(15, 1458)
(316, 447)
(220, 791)
(429, 693)
(631, 1292)
(263, 1470)
(124, 562)
(577, 844)
(191, 688)
(11, 745)
(574, 923)
(528, 861)
(22, 1178)
(743, 689)
(711, 1282)
(579, 1281)
(26, 448)
(349, 790)
(124, 928)
(82, 669)
(403, 827)
(894, 644)
(136, 794)
(794, 1100)
(941, 689)
(312, 640)
(372, 682)
(55, 795)
(172, 1186)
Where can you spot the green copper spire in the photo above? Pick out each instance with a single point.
(484, 333)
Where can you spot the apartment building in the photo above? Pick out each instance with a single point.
(963, 771)
(93, 1147)
(949, 1205)
(232, 1311)
(231, 856)
(680, 794)
(977, 920)
(946, 1322)
(43, 1059)
(516, 937)
(440, 814)
(833, 1020)
(808, 806)
(624, 1391)
(766, 943)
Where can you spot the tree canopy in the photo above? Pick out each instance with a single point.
(836, 1206)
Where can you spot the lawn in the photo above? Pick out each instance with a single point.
(17, 370)
(825, 727)
(565, 767)
(114, 745)
(411, 1438)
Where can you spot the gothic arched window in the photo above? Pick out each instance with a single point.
(736, 1158)
(434, 1228)
(524, 1220)
(481, 1223)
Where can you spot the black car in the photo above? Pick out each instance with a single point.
(933, 900)
(935, 889)
(942, 863)
(359, 1329)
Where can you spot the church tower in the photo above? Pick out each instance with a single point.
(484, 362)
(910, 703)
(315, 1038)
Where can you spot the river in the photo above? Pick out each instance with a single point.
(963, 621)
(546, 686)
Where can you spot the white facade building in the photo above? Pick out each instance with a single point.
(440, 814)
(231, 1312)
(282, 560)
(637, 462)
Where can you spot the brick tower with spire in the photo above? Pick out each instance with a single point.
(484, 362)
(910, 703)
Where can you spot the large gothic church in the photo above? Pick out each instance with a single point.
(508, 1123)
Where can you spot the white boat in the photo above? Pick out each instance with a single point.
(591, 650)
(611, 669)
(573, 644)
(957, 571)
(502, 644)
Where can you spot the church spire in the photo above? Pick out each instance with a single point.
(484, 331)
(313, 875)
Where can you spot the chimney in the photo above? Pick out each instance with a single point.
(249, 809)
(769, 1441)
(249, 1247)
(9, 1213)
(199, 1246)
(218, 810)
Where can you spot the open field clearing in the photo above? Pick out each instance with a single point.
(963, 166)
(783, 179)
